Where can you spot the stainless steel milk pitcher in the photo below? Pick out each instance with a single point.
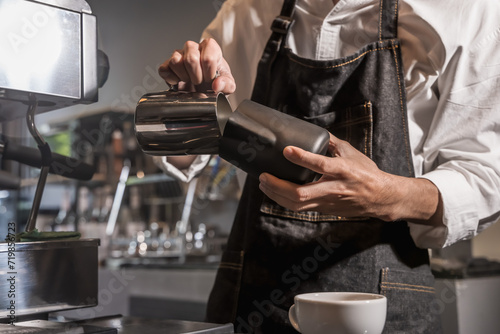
(179, 123)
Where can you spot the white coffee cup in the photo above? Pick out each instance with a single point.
(339, 313)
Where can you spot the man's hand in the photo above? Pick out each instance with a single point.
(199, 67)
(351, 186)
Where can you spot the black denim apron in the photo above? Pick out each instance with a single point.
(274, 253)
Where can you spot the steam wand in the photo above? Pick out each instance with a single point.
(46, 161)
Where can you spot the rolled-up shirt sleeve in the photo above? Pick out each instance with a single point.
(461, 152)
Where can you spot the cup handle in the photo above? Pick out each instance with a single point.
(293, 318)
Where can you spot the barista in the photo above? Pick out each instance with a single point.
(413, 110)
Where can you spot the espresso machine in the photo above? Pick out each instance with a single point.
(48, 60)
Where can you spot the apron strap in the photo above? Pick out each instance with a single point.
(388, 20)
(280, 28)
(388, 29)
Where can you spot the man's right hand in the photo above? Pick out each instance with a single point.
(199, 67)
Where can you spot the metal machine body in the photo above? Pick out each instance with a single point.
(47, 276)
(48, 60)
(49, 49)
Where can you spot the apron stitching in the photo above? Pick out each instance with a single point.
(360, 120)
(403, 118)
(306, 216)
(365, 130)
(396, 12)
(368, 106)
(230, 266)
(298, 214)
(370, 147)
(415, 286)
(380, 21)
(382, 286)
(399, 288)
(348, 62)
(232, 263)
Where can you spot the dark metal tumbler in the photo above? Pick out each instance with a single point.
(255, 136)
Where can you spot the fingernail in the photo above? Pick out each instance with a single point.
(262, 178)
(288, 151)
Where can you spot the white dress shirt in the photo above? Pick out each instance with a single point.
(451, 56)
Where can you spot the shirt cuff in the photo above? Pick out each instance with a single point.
(460, 218)
(184, 175)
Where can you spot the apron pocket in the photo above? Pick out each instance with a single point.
(353, 124)
(223, 300)
(410, 300)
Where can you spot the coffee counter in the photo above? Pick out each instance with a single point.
(179, 292)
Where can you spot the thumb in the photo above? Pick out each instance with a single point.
(224, 82)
